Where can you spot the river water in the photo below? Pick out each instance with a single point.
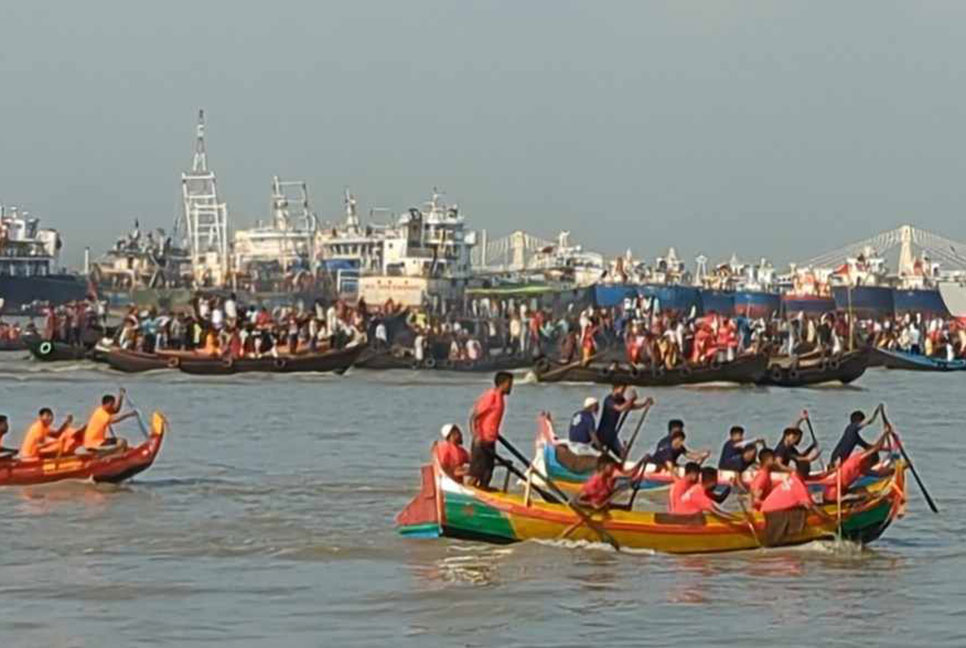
(267, 519)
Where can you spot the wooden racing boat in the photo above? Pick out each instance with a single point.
(444, 507)
(915, 362)
(337, 360)
(745, 369)
(814, 369)
(111, 467)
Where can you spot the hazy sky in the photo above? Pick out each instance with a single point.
(778, 128)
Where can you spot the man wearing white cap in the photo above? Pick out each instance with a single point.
(583, 427)
(450, 453)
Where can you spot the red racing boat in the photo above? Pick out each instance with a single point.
(112, 467)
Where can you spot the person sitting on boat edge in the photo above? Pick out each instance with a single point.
(793, 493)
(701, 498)
(597, 491)
(39, 439)
(583, 427)
(681, 485)
(737, 454)
(95, 433)
(450, 453)
(761, 484)
(670, 447)
(485, 424)
(855, 466)
(616, 405)
(851, 437)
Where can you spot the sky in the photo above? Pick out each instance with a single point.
(782, 129)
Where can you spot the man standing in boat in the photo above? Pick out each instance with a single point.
(851, 437)
(617, 404)
(485, 424)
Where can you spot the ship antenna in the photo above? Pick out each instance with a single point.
(200, 162)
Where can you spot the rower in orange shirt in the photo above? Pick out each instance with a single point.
(793, 493)
(761, 485)
(452, 456)
(95, 434)
(39, 438)
(681, 485)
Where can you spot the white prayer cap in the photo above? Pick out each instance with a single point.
(446, 430)
(589, 402)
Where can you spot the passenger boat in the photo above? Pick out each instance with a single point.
(445, 508)
(109, 467)
(916, 362)
(814, 369)
(389, 360)
(137, 361)
(337, 360)
(745, 369)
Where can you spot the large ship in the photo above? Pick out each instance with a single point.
(29, 275)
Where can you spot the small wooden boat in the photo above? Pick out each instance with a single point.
(389, 360)
(444, 507)
(337, 360)
(815, 369)
(49, 351)
(745, 369)
(110, 467)
(137, 361)
(915, 362)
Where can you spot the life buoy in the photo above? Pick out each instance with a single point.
(45, 348)
(430, 363)
(280, 363)
(542, 365)
(776, 373)
(173, 362)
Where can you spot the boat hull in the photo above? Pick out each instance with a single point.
(337, 361)
(384, 360)
(813, 371)
(107, 468)
(468, 513)
(915, 362)
(744, 370)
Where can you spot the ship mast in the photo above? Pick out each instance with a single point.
(204, 222)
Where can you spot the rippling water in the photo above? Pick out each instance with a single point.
(268, 518)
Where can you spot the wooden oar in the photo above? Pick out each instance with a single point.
(137, 412)
(912, 468)
(630, 442)
(749, 518)
(811, 431)
(506, 463)
(576, 508)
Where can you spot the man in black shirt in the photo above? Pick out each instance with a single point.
(851, 438)
(737, 454)
(787, 450)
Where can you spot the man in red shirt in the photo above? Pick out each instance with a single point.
(856, 465)
(792, 493)
(761, 484)
(485, 425)
(700, 498)
(681, 485)
(451, 454)
(596, 491)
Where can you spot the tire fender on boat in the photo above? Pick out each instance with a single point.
(835, 363)
(280, 363)
(430, 363)
(775, 373)
(45, 348)
(173, 363)
(606, 371)
(542, 365)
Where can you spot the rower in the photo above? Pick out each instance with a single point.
(450, 453)
(596, 491)
(851, 437)
(793, 493)
(761, 485)
(737, 454)
(39, 438)
(4, 428)
(671, 447)
(681, 485)
(855, 466)
(616, 405)
(485, 425)
(95, 434)
(700, 498)
(787, 450)
(583, 426)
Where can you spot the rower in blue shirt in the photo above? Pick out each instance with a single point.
(616, 405)
(583, 427)
(733, 453)
(851, 437)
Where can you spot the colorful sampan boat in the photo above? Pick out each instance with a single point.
(445, 508)
(113, 467)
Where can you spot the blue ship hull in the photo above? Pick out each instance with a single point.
(20, 292)
(718, 301)
(676, 299)
(928, 302)
(792, 304)
(755, 304)
(865, 301)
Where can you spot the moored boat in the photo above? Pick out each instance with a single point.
(745, 369)
(916, 362)
(109, 467)
(444, 507)
(338, 361)
(136, 361)
(814, 369)
(50, 351)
